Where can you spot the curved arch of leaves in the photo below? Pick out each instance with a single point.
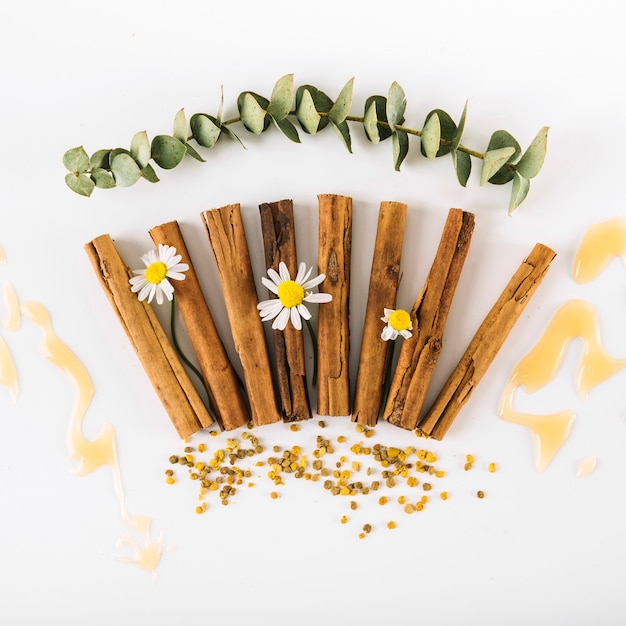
(503, 161)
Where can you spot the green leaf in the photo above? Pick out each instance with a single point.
(180, 126)
(125, 170)
(400, 142)
(456, 139)
(396, 106)
(252, 112)
(307, 114)
(193, 153)
(322, 103)
(431, 136)
(519, 191)
(100, 158)
(341, 109)
(370, 124)
(532, 160)
(380, 112)
(344, 134)
(149, 174)
(282, 98)
(80, 183)
(447, 131)
(493, 161)
(205, 129)
(140, 148)
(102, 178)
(503, 139)
(76, 160)
(231, 135)
(167, 151)
(462, 165)
(287, 129)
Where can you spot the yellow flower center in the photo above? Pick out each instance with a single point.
(400, 320)
(155, 272)
(290, 293)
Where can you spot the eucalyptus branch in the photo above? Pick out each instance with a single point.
(503, 160)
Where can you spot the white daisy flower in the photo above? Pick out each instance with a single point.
(398, 323)
(153, 280)
(292, 294)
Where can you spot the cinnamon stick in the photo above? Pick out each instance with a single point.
(487, 342)
(228, 240)
(158, 357)
(333, 333)
(383, 285)
(420, 353)
(219, 376)
(279, 240)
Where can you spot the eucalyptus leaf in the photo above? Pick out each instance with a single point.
(431, 136)
(281, 100)
(307, 114)
(167, 151)
(205, 129)
(458, 135)
(253, 115)
(228, 132)
(396, 106)
(370, 123)
(80, 183)
(462, 165)
(341, 109)
(287, 129)
(140, 148)
(117, 151)
(100, 158)
(102, 178)
(125, 170)
(493, 161)
(344, 134)
(193, 153)
(532, 160)
(380, 103)
(76, 160)
(400, 143)
(149, 174)
(180, 126)
(321, 102)
(447, 131)
(519, 191)
(503, 139)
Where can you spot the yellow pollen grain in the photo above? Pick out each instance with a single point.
(492, 467)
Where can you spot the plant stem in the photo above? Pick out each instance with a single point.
(314, 344)
(388, 376)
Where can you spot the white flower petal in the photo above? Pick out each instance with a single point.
(318, 297)
(270, 285)
(151, 291)
(295, 318)
(388, 333)
(283, 271)
(407, 334)
(175, 275)
(273, 274)
(302, 274)
(281, 320)
(167, 288)
(314, 282)
(304, 312)
(144, 291)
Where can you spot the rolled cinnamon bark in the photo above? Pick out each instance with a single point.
(220, 378)
(383, 285)
(228, 240)
(333, 329)
(157, 355)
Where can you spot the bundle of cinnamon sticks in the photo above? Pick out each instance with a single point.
(273, 389)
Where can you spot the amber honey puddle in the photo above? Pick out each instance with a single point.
(575, 319)
(88, 454)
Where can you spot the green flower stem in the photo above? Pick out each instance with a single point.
(181, 354)
(314, 344)
(388, 376)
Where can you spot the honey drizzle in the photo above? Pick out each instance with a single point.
(586, 466)
(92, 454)
(599, 245)
(576, 318)
(13, 319)
(8, 371)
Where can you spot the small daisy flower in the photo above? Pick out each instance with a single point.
(398, 323)
(292, 294)
(152, 281)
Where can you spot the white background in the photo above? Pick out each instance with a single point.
(540, 548)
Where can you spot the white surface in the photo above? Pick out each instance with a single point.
(540, 549)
